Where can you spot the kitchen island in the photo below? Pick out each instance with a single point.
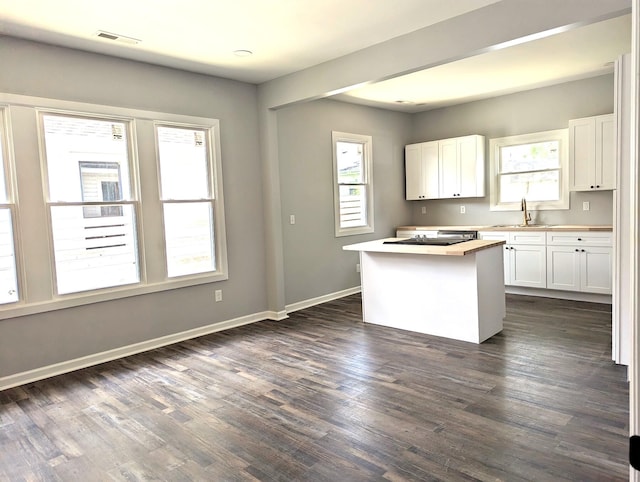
(454, 291)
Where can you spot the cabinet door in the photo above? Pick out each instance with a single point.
(563, 268)
(592, 153)
(449, 171)
(528, 266)
(605, 167)
(471, 167)
(429, 155)
(582, 153)
(595, 270)
(413, 171)
(421, 171)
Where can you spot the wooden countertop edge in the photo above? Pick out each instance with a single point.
(559, 227)
(460, 249)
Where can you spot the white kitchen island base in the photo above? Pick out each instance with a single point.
(454, 296)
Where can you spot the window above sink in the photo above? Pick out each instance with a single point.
(530, 166)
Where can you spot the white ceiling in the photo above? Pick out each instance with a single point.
(289, 35)
(578, 53)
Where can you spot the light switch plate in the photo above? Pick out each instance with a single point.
(585, 205)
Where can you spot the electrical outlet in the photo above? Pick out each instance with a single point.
(462, 210)
(292, 219)
(218, 294)
(358, 268)
(424, 209)
(585, 206)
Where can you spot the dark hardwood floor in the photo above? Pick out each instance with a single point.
(323, 397)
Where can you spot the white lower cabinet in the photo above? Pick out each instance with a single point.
(524, 257)
(528, 266)
(580, 262)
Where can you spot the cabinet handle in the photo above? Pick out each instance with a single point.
(579, 239)
(592, 187)
(582, 250)
(577, 250)
(597, 186)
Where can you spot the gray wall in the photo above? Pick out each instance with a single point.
(532, 111)
(314, 262)
(37, 70)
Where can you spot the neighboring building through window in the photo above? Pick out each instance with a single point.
(9, 292)
(353, 186)
(91, 202)
(531, 167)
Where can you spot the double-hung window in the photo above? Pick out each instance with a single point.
(353, 186)
(188, 198)
(117, 202)
(91, 201)
(531, 167)
(9, 292)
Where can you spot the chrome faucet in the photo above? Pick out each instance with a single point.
(526, 215)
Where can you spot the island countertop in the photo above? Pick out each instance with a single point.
(459, 249)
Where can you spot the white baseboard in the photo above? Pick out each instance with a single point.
(277, 315)
(109, 355)
(559, 294)
(105, 356)
(301, 305)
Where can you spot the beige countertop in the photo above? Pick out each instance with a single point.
(460, 249)
(514, 227)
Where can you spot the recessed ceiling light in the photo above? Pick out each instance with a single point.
(242, 53)
(403, 102)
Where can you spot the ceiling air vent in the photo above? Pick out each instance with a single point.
(117, 38)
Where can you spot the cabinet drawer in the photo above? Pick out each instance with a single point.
(580, 238)
(494, 235)
(527, 237)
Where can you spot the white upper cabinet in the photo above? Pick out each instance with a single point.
(592, 153)
(421, 166)
(447, 168)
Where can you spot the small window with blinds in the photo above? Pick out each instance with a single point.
(353, 187)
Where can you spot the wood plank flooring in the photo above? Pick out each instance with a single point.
(323, 397)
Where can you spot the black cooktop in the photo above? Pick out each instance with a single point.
(427, 241)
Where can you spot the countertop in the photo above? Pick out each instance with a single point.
(532, 227)
(460, 249)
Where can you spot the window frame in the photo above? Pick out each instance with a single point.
(560, 135)
(215, 190)
(133, 200)
(367, 182)
(34, 259)
(8, 167)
